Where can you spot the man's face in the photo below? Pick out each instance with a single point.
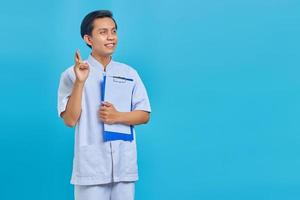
(104, 37)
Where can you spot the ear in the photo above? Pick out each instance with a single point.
(88, 39)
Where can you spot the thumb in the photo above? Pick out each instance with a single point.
(107, 104)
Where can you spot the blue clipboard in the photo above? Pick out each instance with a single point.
(113, 132)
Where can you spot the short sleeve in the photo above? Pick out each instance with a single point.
(64, 92)
(140, 100)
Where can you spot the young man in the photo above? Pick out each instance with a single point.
(105, 170)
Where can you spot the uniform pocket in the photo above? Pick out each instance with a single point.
(90, 161)
(128, 158)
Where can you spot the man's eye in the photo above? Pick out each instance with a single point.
(102, 32)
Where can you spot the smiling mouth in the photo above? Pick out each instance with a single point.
(110, 45)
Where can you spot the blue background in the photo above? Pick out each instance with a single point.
(222, 77)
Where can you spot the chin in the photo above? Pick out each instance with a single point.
(105, 53)
(109, 53)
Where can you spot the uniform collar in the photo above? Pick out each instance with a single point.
(95, 63)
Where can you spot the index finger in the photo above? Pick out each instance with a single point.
(77, 56)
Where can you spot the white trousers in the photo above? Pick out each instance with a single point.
(110, 191)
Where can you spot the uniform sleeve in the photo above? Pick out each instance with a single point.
(140, 100)
(64, 92)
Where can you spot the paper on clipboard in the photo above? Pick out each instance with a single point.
(117, 90)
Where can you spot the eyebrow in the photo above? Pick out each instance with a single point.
(99, 29)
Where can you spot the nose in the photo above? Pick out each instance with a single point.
(110, 36)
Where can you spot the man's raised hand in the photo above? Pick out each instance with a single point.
(81, 68)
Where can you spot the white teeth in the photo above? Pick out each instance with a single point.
(109, 45)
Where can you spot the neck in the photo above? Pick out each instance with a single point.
(104, 60)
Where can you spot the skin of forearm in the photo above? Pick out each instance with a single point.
(73, 109)
(134, 117)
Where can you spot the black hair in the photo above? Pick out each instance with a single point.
(87, 24)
